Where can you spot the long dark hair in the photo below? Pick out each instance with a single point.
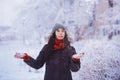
(51, 40)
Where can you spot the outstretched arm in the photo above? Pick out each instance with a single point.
(34, 63)
(39, 61)
(75, 60)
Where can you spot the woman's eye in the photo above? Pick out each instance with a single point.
(58, 31)
(63, 31)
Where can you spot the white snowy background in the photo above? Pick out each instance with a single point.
(94, 26)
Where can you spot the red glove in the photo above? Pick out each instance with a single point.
(26, 57)
(76, 59)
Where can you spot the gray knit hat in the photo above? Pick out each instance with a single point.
(56, 26)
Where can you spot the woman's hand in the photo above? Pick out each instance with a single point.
(19, 56)
(24, 56)
(76, 57)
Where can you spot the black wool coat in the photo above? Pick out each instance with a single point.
(58, 65)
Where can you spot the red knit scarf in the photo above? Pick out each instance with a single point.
(59, 44)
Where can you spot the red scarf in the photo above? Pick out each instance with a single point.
(59, 44)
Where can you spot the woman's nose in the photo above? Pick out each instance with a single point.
(60, 33)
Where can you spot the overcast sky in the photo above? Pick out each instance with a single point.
(8, 11)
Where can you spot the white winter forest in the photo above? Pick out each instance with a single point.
(93, 25)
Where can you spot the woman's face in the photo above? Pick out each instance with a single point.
(60, 33)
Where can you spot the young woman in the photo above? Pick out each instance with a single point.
(60, 57)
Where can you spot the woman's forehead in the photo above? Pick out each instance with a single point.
(60, 29)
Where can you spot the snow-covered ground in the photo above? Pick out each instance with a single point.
(100, 62)
(14, 69)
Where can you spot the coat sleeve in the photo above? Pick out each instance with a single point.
(39, 61)
(74, 66)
